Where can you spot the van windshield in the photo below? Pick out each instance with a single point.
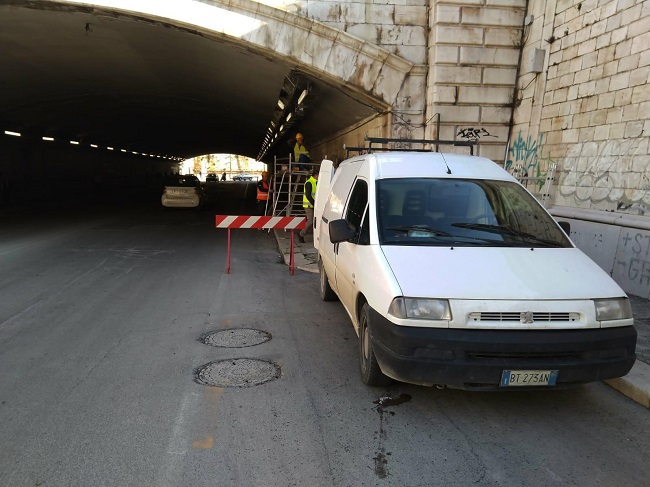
(463, 212)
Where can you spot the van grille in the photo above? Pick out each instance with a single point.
(525, 355)
(523, 317)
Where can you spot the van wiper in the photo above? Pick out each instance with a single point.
(503, 230)
(420, 228)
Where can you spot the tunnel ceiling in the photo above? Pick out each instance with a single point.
(112, 79)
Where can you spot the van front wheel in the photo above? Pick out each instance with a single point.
(326, 291)
(371, 374)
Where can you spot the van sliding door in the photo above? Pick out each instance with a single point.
(350, 255)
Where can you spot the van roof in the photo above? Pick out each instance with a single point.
(431, 164)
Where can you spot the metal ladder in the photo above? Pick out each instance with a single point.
(541, 186)
(288, 189)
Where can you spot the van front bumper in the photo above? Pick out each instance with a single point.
(476, 359)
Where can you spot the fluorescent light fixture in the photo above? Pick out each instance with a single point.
(289, 117)
(74, 142)
(93, 145)
(109, 148)
(302, 97)
(281, 105)
(123, 150)
(281, 128)
(49, 139)
(134, 152)
(15, 134)
(272, 123)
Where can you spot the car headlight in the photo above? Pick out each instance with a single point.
(613, 309)
(420, 308)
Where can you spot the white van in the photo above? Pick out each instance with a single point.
(453, 274)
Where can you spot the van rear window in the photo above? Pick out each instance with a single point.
(462, 212)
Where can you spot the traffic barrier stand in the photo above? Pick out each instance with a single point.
(262, 222)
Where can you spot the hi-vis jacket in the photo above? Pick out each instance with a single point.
(312, 182)
(262, 191)
(298, 150)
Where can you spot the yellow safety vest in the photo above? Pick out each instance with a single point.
(299, 149)
(305, 201)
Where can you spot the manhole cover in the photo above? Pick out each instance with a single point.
(238, 372)
(236, 338)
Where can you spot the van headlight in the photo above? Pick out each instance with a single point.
(613, 309)
(420, 308)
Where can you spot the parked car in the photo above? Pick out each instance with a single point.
(182, 192)
(453, 274)
(211, 178)
(242, 177)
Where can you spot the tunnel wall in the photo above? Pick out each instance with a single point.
(333, 148)
(36, 170)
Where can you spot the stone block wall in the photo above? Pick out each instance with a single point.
(473, 59)
(539, 84)
(464, 55)
(589, 110)
(399, 26)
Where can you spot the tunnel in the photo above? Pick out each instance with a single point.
(100, 87)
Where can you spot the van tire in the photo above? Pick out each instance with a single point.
(325, 290)
(371, 374)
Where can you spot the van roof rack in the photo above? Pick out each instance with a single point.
(386, 140)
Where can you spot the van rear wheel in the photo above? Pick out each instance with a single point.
(326, 291)
(371, 374)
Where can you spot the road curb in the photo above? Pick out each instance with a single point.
(635, 385)
(300, 261)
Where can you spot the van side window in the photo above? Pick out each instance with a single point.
(356, 210)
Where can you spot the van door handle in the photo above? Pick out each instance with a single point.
(325, 220)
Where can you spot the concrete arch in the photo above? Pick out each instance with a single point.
(314, 47)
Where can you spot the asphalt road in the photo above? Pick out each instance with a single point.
(102, 308)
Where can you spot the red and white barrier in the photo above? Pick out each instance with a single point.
(244, 221)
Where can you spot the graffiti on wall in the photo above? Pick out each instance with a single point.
(613, 170)
(471, 133)
(633, 258)
(525, 160)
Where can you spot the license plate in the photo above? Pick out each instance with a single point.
(513, 378)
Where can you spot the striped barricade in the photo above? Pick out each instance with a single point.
(262, 222)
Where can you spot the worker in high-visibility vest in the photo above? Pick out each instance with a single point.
(263, 190)
(308, 204)
(301, 155)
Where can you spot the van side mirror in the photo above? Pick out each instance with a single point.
(566, 226)
(340, 231)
